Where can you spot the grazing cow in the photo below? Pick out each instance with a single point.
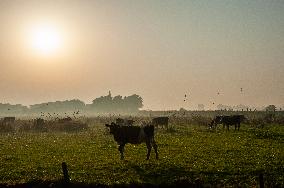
(133, 135)
(163, 121)
(215, 121)
(228, 120)
(124, 122)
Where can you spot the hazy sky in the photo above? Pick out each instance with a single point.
(160, 50)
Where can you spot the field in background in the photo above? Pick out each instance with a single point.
(189, 153)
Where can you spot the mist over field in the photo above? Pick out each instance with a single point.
(214, 52)
(140, 93)
(109, 105)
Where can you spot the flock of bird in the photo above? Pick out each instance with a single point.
(77, 112)
(56, 115)
(218, 93)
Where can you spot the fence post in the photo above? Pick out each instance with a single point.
(261, 181)
(198, 183)
(65, 173)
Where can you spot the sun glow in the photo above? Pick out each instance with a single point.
(46, 40)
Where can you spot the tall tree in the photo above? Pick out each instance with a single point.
(103, 103)
(271, 108)
(133, 103)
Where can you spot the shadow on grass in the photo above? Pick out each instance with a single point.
(172, 176)
(60, 184)
(47, 184)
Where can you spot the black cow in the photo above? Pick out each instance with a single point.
(125, 122)
(133, 135)
(215, 121)
(163, 121)
(228, 120)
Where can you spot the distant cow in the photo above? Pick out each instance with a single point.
(228, 120)
(8, 120)
(133, 135)
(39, 124)
(163, 121)
(6, 124)
(215, 121)
(125, 122)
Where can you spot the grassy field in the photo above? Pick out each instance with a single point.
(188, 153)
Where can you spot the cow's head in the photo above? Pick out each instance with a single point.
(112, 127)
(130, 122)
(212, 124)
(243, 118)
(218, 119)
(119, 121)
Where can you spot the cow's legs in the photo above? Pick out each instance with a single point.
(214, 125)
(121, 150)
(149, 147)
(237, 126)
(155, 148)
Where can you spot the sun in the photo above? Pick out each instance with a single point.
(46, 40)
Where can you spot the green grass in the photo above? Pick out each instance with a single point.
(186, 153)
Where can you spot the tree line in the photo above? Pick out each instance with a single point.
(101, 105)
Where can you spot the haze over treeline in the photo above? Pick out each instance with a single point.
(161, 50)
(101, 105)
(127, 105)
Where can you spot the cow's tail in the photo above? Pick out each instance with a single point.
(149, 130)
